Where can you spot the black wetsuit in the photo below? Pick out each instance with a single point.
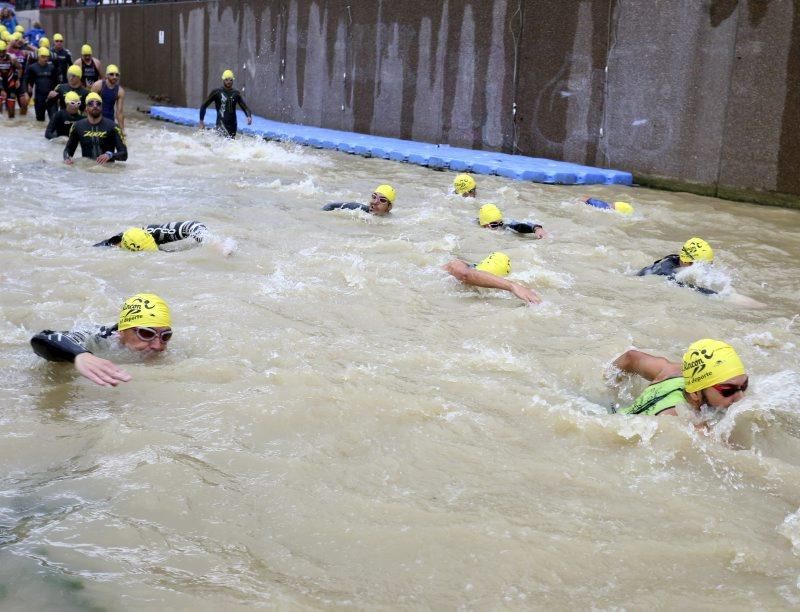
(62, 60)
(10, 70)
(43, 79)
(89, 72)
(521, 227)
(102, 137)
(63, 89)
(225, 101)
(61, 123)
(346, 206)
(65, 346)
(668, 266)
(166, 232)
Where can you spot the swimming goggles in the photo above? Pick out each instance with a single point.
(728, 390)
(148, 334)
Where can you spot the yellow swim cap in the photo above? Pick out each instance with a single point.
(710, 362)
(94, 96)
(228, 74)
(137, 239)
(464, 183)
(44, 42)
(44, 52)
(696, 249)
(112, 68)
(16, 36)
(144, 310)
(489, 213)
(71, 97)
(19, 29)
(86, 50)
(623, 207)
(58, 38)
(75, 71)
(387, 191)
(497, 263)
(3, 46)
(5, 36)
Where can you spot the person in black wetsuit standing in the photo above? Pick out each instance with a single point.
(100, 138)
(40, 78)
(225, 99)
(56, 97)
(61, 58)
(61, 122)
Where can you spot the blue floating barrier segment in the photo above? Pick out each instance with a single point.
(517, 167)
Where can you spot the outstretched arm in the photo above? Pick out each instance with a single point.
(478, 278)
(647, 366)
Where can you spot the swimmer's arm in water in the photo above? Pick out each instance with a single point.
(468, 275)
(177, 230)
(526, 228)
(120, 152)
(72, 144)
(71, 347)
(647, 366)
(346, 206)
(113, 241)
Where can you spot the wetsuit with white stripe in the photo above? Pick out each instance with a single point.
(167, 232)
(66, 345)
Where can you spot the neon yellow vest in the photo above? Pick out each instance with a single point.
(658, 397)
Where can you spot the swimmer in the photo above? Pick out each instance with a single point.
(100, 138)
(621, 207)
(380, 204)
(10, 80)
(40, 78)
(150, 237)
(226, 98)
(465, 186)
(694, 249)
(144, 326)
(61, 58)
(91, 67)
(113, 95)
(491, 273)
(61, 123)
(711, 374)
(489, 216)
(73, 84)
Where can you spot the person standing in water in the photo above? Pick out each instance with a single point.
(113, 96)
(91, 67)
(100, 138)
(225, 99)
(711, 374)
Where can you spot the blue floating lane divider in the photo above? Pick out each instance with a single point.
(518, 167)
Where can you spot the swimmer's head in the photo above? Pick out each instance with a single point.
(228, 76)
(86, 50)
(145, 323)
(623, 207)
(19, 29)
(137, 239)
(72, 98)
(43, 52)
(382, 200)
(16, 36)
(713, 372)
(465, 185)
(3, 46)
(44, 42)
(497, 263)
(74, 71)
(112, 71)
(490, 216)
(696, 249)
(57, 38)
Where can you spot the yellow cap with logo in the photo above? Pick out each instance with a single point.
(86, 50)
(44, 42)
(696, 249)
(112, 69)
(387, 191)
(137, 239)
(489, 213)
(75, 71)
(144, 310)
(228, 74)
(44, 52)
(94, 96)
(464, 183)
(497, 263)
(72, 97)
(58, 38)
(710, 362)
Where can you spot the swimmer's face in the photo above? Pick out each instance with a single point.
(74, 81)
(87, 58)
(379, 205)
(113, 77)
(147, 340)
(721, 396)
(494, 225)
(73, 107)
(228, 83)
(58, 44)
(94, 108)
(472, 193)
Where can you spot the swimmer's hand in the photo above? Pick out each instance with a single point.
(202, 125)
(528, 296)
(52, 94)
(103, 159)
(100, 371)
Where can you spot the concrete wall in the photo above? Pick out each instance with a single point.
(698, 92)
